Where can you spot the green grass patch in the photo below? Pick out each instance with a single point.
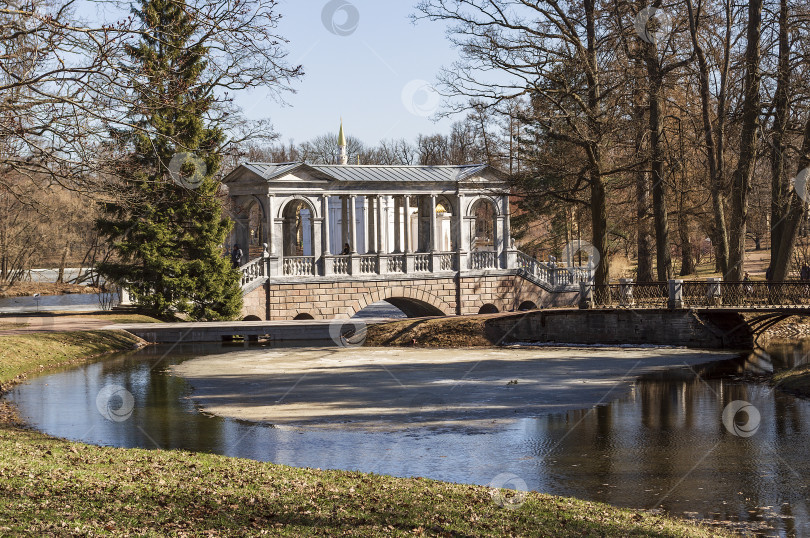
(50, 486)
(56, 487)
(22, 354)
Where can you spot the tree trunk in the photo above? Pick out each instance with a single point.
(660, 213)
(795, 213)
(687, 252)
(741, 179)
(600, 229)
(60, 279)
(720, 233)
(644, 238)
(597, 184)
(780, 185)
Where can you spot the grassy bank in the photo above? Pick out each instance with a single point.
(54, 487)
(796, 380)
(28, 353)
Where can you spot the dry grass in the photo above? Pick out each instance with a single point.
(467, 331)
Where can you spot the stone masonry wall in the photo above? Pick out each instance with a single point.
(427, 296)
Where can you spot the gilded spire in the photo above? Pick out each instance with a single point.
(344, 155)
(341, 137)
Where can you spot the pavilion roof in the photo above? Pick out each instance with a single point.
(371, 173)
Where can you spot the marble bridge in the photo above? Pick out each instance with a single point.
(325, 241)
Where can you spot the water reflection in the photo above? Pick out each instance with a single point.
(663, 446)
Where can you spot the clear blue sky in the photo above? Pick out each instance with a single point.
(361, 75)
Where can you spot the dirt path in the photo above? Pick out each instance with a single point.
(14, 325)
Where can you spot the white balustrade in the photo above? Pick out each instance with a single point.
(483, 259)
(446, 262)
(253, 270)
(396, 264)
(340, 265)
(368, 264)
(299, 266)
(421, 263)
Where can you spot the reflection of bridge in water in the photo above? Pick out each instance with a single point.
(324, 242)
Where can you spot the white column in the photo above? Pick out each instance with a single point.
(507, 231)
(397, 227)
(407, 217)
(325, 232)
(344, 222)
(379, 218)
(371, 218)
(353, 223)
(270, 223)
(434, 239)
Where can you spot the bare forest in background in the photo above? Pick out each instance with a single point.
(670, 138)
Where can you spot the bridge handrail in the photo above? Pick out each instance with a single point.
(253, 270)
(710, 293)
(554, 275)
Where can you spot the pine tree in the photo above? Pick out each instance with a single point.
(168, 235)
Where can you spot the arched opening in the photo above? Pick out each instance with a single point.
(303, 315)
(527, 305)
(256, 231)
(380, 309)
(488, 309)
(297, 229)
(483, 229)
(444, 224)
(399, 308)
(251, 318)
(414, 308)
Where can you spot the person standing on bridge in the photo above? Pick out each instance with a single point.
(236, 256)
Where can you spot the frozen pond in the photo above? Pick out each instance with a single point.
(660, 444)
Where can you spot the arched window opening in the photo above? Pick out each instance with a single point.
(297, 229)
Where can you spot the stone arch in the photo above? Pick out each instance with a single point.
(471, 203)
(488, 308)
(311, 205)
(412, 300)
(298, 227)
(301, 313)
(527, 305)
(483, 215)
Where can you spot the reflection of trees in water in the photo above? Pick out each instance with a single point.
(159, 399)
(667, 441)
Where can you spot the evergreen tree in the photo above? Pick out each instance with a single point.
(169, 239)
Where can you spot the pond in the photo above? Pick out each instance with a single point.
(662, 446)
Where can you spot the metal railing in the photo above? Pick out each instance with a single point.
(710, 293)
(632, 295)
